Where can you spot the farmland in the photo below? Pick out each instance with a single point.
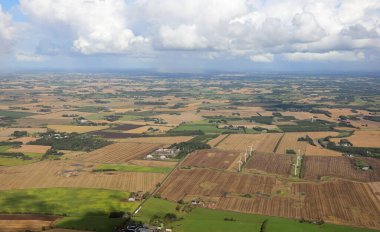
(202, 182)
(48, 174)
(315, 167)
(201, 219)
(77, 147)
(78, 204)
(270, 163)
(213, 159)
(120, 152)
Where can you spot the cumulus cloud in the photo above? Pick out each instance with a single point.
(7, 31)
(327, 56)
(182, 37)
(267, 57)
(29, 57)
(97, 26)
(258, 30)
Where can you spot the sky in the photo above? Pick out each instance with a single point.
(190, 35)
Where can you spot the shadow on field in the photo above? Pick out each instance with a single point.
(92, 221)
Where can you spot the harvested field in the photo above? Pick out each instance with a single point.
(157, 140)
(289, 141)
(153, 163)
(269, 143)
(340, 202)
(211, 183)
(274, 206)
(25, 140)
(315, 167)
(31, 149)
(76, 129)
(320, 151)
(120, 152)
(212, 159)
(58, 115)
(6, 132)
(240, 142)
(60, 174)
(214, 142)
(363, 139)
(375, 186)
(270, 163)
(187, 116)
(65, 230)
(23, 222)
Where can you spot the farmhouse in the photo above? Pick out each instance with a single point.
(163, 153)
(345, 143)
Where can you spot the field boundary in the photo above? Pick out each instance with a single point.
(278, 143)
(221, 140)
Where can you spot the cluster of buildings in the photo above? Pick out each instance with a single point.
(163, 154)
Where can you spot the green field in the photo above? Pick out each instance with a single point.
(7, 161)
(14, 162)
(307, 125)
(200, 219)
(84, 208)
(132, 168)
(91, 109)
(14, 114)
(4, 148)
(207, 128)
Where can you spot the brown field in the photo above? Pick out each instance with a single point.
(363, 139)
(60, 174)
(315, 167)
(213, 159)
(76, 129)
(187, 116)
(339, 202)
(240, 142)
(264, 205)
(375, 186)
(58, 115)
(140, 130)
(215, 141)
(289, 141)
(270, 163)
(269, 143)
(366, 124)
(31, 149)
(65, 230)
(204, 182)
(153, 163)
(157, 140)
(320, 151)
(120, 152)
(25, 140)
(6, 132)
(17, 223)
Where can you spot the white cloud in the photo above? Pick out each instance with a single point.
(97, 26)
(265, 58)
(182, 37)
(327, 56)
(29, 57)
(7, 31)
(321, 30)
